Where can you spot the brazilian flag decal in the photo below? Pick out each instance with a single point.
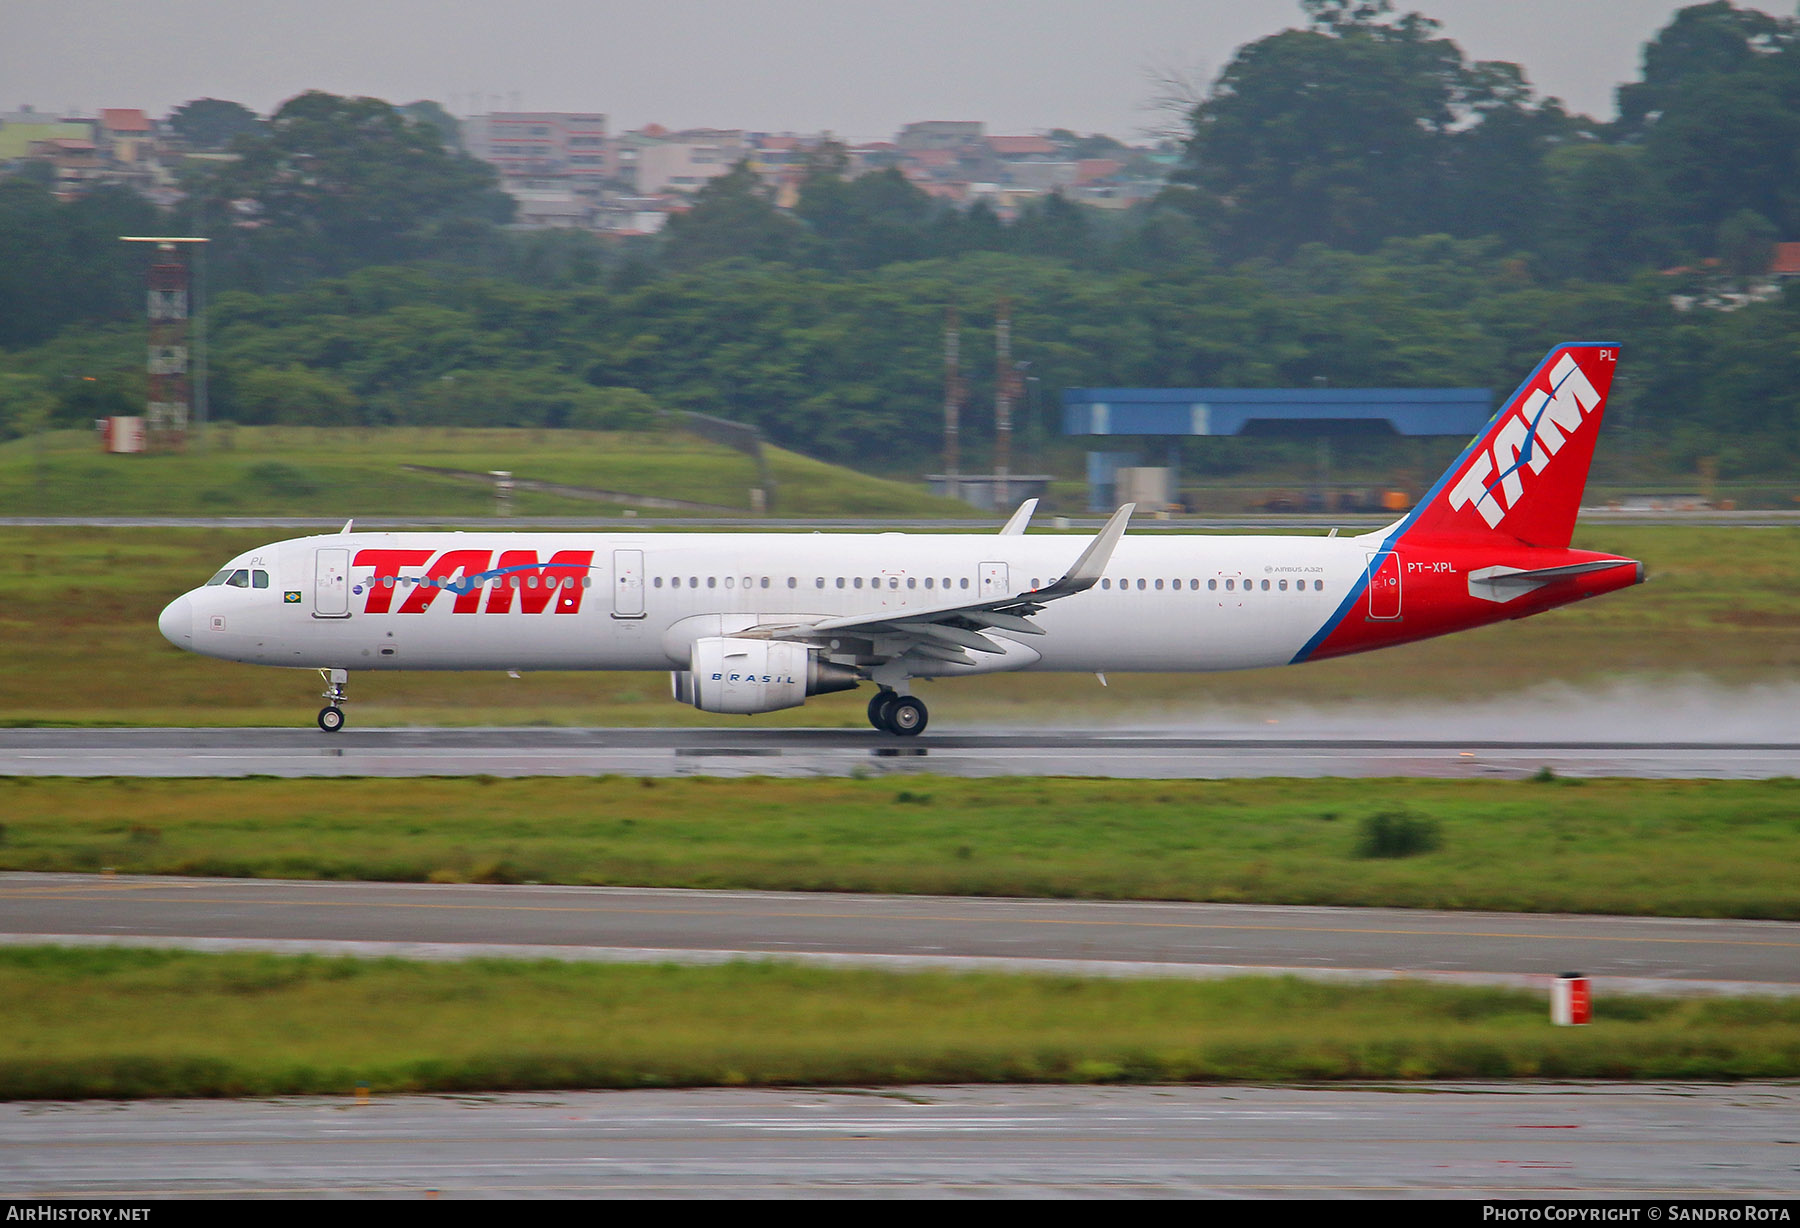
(291, 596)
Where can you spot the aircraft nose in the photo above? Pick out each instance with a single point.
(177, 622)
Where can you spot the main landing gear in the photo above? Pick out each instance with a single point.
(331, 717)
(901, 714)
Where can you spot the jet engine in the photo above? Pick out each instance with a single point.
(742, 676)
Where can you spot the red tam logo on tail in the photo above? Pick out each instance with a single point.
(1525, 476)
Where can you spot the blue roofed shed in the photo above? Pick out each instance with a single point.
(1228, 411)
(1319, 412)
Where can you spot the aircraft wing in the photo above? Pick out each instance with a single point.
(950, 632)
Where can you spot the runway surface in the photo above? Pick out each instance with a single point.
(1565, 1143)
(1151, 754)
(1562, 1141)
(1080, 937)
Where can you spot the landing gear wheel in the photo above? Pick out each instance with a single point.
(879, 708)
(331, 717)
(907, 717)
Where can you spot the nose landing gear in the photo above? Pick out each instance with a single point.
(331, 716)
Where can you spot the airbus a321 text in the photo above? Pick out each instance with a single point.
(753, 623)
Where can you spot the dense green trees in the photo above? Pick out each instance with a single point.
(1360, 205)
(63, 262)
(1369, 124)
(212, 124)
(330, 184)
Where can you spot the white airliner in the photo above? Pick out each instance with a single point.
(751, 623)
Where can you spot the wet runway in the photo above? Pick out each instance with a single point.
(1148, 754)
(1567, 1142)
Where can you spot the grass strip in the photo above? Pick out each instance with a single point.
(129, 1023)
(1672, 848)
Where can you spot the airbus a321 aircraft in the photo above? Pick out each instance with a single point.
(750, 623)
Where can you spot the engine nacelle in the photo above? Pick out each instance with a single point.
(743, 676)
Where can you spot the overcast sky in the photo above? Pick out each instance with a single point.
(859, 68)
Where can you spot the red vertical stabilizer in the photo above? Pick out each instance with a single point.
(1523, 477)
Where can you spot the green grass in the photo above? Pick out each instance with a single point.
(121, 1023)
(1723, 605)
(1684, 848)
(318, 471)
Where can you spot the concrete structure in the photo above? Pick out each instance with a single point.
(990, 492)
(541, 144)
(685, 161)
(952, 134)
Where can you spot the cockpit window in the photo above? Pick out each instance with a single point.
(220, 578)
(259, 578)
(239, 578)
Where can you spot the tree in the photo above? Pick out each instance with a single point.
(25, 405)
(864, 223)
(1703, 40)
(211, 124)
(732, 216)
(1338, 133)
(433, 115)
(63, 262)
(330, 184)
(1746, 244)
(1603, 214)
(1725, 142)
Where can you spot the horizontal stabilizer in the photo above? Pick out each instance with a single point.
(1505, 583)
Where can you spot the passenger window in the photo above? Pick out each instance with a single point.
(965, 582)
(712, 582)
(1106, 584)
(856, 583)
(1159, 586)
(840, 581)
(1265, 586)
(1318, 586)
(928, 581)
(1231, 586)
(728, 581)
(1212, 585)
(1283, 584)
(1140, 584)
(911, 583)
